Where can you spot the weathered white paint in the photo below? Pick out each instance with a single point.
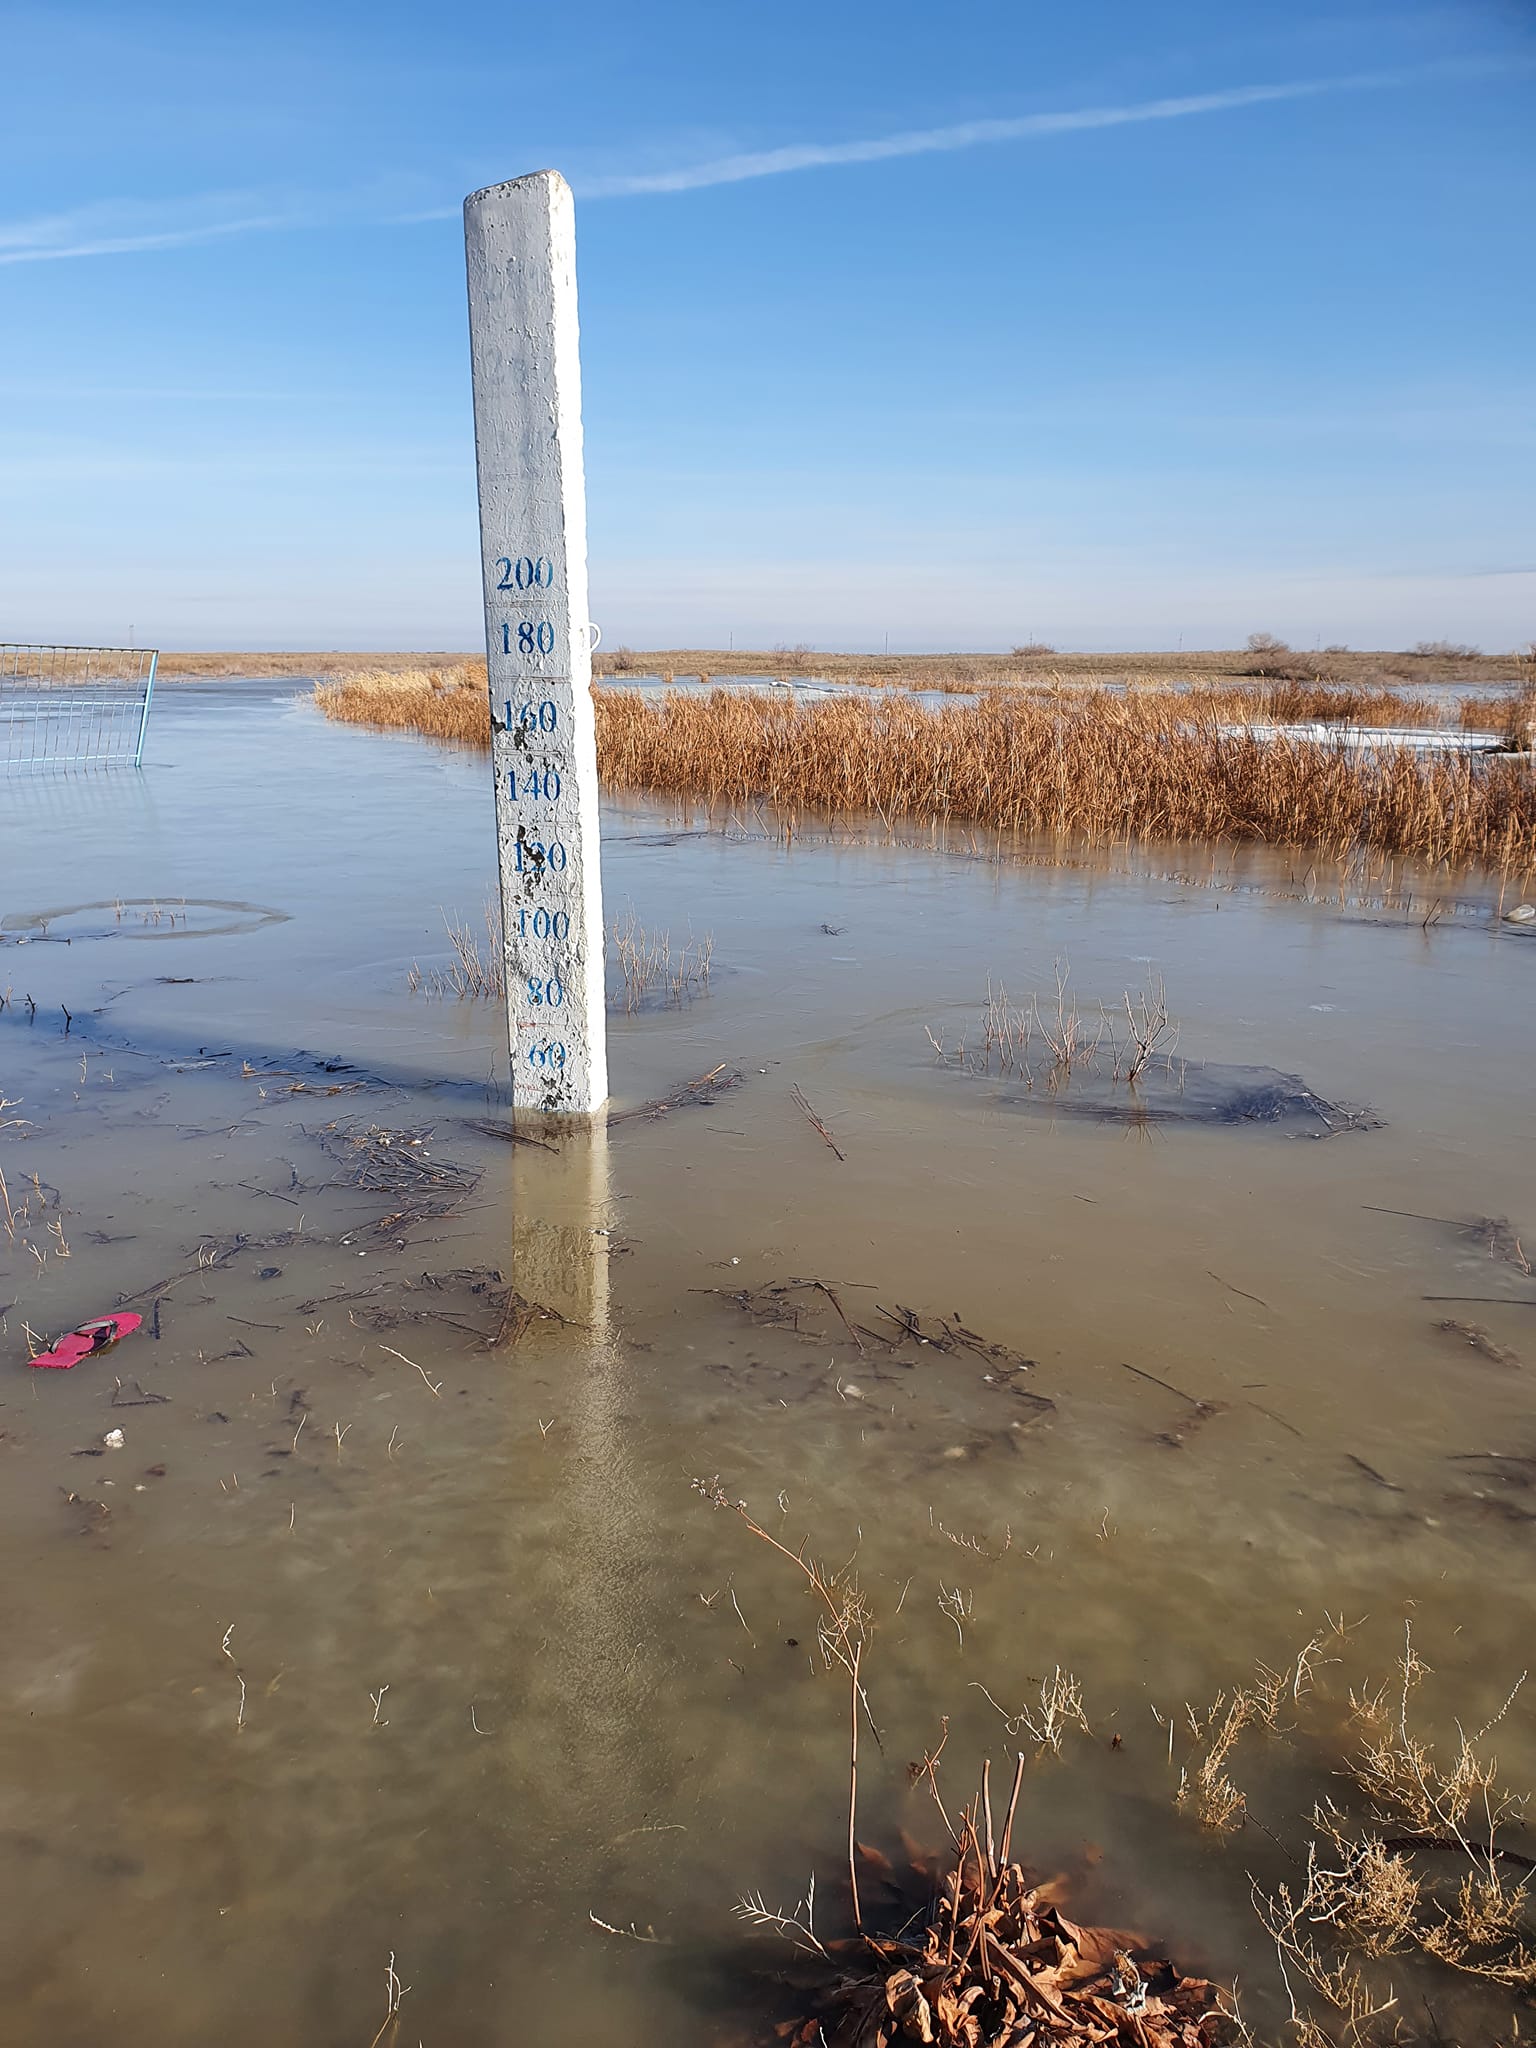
(520, 247)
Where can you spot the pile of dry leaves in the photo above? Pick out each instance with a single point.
(994, 1963)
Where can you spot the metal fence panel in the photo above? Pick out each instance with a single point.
(74, 707)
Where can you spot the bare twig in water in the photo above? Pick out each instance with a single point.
(1205, 1407)
(434, 1387)
(1060, 1708)
(823, 1288)
(1486, 1300)
(629, 1933)
(798, 1926)
(1371, 1473)
(1236, 1290)
(701, 1092)
(394, 1991)
(841, 1635)
(957, 1605)
(812, 1118)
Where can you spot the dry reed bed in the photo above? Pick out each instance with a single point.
(445, 704)
(1099, 767)
(1085, 763)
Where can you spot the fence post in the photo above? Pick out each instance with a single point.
(149, 691)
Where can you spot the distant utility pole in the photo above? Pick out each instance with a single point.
(520, 248)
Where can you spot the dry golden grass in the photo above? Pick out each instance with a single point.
(1087, 763)
(444, 703)
(1511, 713)
(333, 663)
(1291, 703)
(1100, 767)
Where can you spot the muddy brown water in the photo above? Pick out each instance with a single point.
(375, 1639)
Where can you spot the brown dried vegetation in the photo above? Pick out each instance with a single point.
(988, 1957)
(980, 1954)
(1092, 764)
(1412, 1858)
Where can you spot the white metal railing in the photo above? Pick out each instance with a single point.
(74, 707)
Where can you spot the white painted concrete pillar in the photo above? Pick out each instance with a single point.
(520, 247)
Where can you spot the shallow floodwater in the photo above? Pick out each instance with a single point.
(394, 1627)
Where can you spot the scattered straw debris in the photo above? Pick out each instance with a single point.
(399, 1164)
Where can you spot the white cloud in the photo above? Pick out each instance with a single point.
(128, 227)
(770, 163)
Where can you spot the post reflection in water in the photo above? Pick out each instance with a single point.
(585, 1680)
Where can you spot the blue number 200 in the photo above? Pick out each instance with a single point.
(528, 572)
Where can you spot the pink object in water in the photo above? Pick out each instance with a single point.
(99, 1335)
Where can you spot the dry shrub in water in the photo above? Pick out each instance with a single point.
(648, 966)
(1069, 1039)
(1207, 1790)
(650, 969)
(1412, 1858)
(976, 1951)
(471, 976)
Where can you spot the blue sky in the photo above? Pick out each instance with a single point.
(1110, 325)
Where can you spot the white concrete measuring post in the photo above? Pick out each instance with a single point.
(520, 247)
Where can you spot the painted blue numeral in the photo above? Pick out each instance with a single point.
(534, 636)
(550, 1054)
(533, 717)
(544, 924)
(533, 856)
(528, 572)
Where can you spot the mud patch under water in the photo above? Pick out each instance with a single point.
(1195, 1092)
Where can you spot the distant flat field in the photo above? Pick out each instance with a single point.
(1345, 667)
(323, 663)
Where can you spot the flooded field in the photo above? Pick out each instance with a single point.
(394, 1631)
